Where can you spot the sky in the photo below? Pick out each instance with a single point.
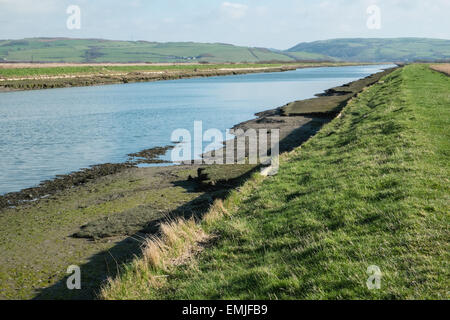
(278, 24)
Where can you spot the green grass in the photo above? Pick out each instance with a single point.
(371, 188)
(105, 70)
(332, 103)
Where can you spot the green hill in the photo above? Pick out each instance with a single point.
(379, 50)
(97, 50)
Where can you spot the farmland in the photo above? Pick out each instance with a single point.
(67, 50)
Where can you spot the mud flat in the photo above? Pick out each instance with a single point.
(98, 218)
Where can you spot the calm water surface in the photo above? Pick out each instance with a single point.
(44, 133)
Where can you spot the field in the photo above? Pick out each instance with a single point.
(388, 50)
(371, 188)
(333, 99)
(27, 76)
(444, 68)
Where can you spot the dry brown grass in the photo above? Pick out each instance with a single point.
(180, 240)
(444, 68)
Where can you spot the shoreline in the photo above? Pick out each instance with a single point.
(95, 79)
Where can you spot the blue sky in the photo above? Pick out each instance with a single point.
(275, 24)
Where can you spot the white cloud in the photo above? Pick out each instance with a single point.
(234, 10)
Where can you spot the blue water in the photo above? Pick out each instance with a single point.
(44, 133)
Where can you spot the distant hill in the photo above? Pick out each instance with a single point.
(97, 50)
(380, 50)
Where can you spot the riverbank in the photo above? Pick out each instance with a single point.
(98, 219)
(364, 199)
(27, 77)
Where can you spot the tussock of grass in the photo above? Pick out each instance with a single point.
(178, 242)
(371, 188)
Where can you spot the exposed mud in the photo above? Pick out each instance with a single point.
(149, 156)
(62, 182)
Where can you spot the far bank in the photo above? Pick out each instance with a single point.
(15, 77)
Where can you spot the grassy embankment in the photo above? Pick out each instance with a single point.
(371, 188)
(12, 72)
(43, 77)
(99, 50)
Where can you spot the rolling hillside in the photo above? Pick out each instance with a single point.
(379, 50)
(95, 50)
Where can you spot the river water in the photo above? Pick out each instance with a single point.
(44, 133)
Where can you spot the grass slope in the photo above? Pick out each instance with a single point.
(371, 188)
(396, 49)
(96, 50)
